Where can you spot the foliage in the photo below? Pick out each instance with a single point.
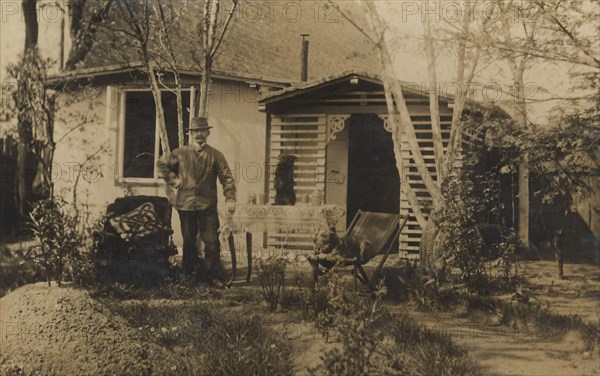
(431, 296)
(430, 352)
(55, 230)
(82, 265)
(65, 244)
(305, 296)
(472, 219)
(458, 221)
(35, 106)
(271, 275)
(527, 313)
(508, 259)
(563, 161)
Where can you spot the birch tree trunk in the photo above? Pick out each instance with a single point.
(517, 68)
(398, 113)
(393, 89)
(438, 147)
(211, 11)
(160, 113)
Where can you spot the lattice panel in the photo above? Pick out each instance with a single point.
(305, 136)
(410, 237)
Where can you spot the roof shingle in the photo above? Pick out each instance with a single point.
(263, 40)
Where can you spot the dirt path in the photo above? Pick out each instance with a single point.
(508, 351)
(577, 294)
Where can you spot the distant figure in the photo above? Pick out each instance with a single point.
(284, 180)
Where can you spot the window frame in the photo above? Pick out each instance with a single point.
(154, 180)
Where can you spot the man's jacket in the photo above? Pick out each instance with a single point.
(197, 168)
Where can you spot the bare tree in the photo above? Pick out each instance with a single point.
(166, 52)
(136, 29)
(211, 40)
(402, 125)
(84, 25)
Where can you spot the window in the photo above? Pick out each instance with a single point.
(141, 141)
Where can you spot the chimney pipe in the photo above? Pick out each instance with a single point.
(304, 71)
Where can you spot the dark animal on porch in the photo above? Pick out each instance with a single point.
(284, 180)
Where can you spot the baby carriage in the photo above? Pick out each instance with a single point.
(136, 240)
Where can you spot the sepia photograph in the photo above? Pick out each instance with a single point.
(300, 187)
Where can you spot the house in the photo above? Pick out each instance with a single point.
(336, 121)
(257, 92)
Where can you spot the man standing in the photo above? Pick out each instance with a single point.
(193, 170)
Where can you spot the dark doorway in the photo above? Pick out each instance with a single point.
(373, 181)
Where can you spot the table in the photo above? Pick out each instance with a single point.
(263, 218)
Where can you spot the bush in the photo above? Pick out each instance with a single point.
(66, 247)
(271, 275)
(55, 230)
(82, 265)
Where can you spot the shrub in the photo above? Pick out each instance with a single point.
(55, 230)
(66, 246)
(82, 265)
(508, 259)
(271, 275)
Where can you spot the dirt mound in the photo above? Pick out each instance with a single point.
(62, 331)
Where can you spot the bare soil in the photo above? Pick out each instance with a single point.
(62, 331)
(577, 294)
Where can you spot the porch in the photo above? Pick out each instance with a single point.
(338, 128)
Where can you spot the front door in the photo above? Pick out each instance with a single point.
(373, 181)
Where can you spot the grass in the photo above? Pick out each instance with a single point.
(428, 352)
(212, 341)
(171, 288)
(373, 341)
(528, 315)
(535, 318)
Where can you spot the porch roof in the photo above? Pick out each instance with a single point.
(299, 88)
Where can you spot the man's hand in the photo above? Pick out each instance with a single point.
(231, 207)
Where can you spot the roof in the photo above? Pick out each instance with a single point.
(303, 87)
(115, 69)
(263, 40)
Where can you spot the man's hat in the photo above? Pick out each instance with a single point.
(199, 123)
